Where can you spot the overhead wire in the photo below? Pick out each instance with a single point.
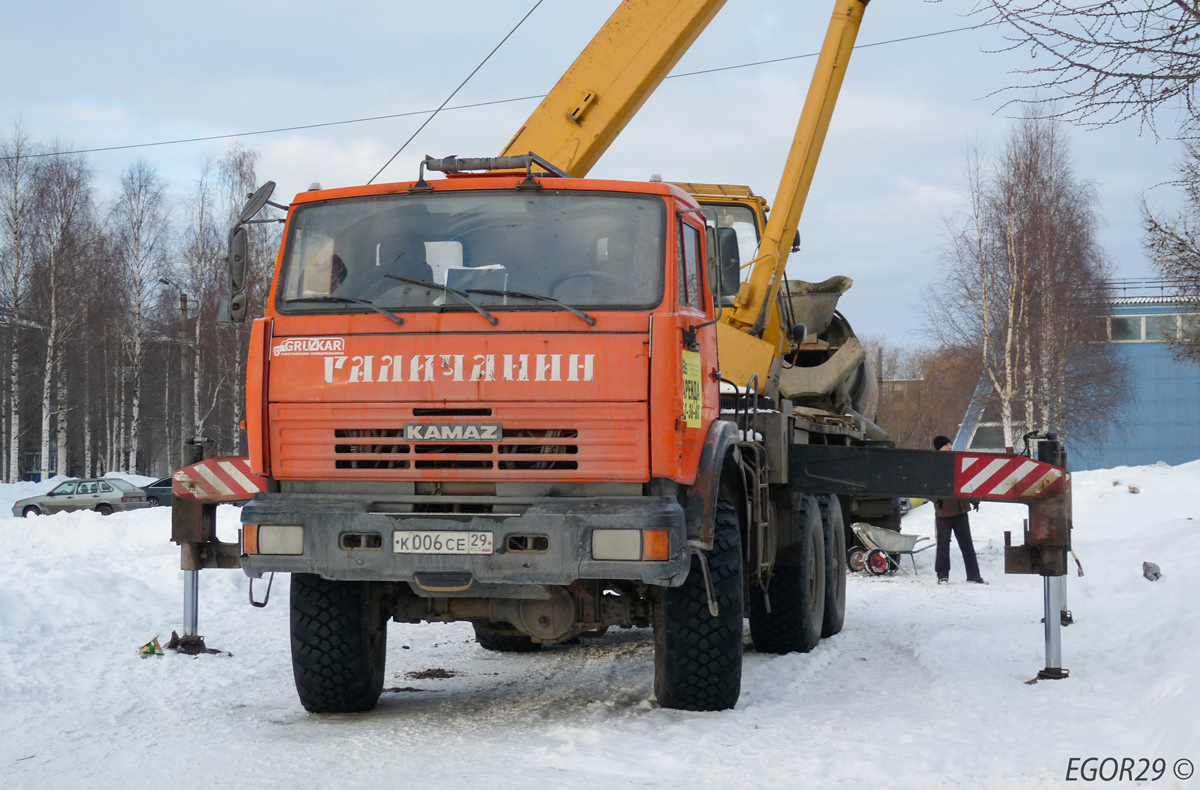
(474, 105)
(455, 91)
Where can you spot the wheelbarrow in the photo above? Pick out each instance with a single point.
(881, 548)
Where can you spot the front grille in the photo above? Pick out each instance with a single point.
(565, 441)
(540, 442)
(380, 447)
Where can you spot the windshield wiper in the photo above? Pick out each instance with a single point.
(388, 314)
(426, 283)
(488, 292)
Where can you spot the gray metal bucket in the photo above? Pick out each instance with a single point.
(815, 303)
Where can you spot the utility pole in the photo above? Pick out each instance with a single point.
(187, 429)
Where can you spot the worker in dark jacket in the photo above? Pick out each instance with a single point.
(951, 516)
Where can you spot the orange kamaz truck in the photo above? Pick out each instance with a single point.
(550, 405)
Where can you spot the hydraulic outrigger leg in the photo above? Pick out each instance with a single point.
(1043, 483)
(196, 490)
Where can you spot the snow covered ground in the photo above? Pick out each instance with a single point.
(925, 687)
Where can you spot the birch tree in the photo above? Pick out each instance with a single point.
(66, 226)
(18, 198)
(980, 303)
(200, 257)
(1025, 286)
(139, 220)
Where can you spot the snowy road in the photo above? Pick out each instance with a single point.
(924, 688)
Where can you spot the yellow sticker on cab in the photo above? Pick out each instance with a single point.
(692, 397)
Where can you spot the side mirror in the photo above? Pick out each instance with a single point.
(259, 199)
(236, 312)
(237, 259)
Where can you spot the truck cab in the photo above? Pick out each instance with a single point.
(488, 397)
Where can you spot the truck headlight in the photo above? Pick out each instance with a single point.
(631, 544)
(272, 539)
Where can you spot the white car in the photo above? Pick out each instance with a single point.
(103, 495)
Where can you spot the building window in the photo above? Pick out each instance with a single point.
(1124, 329)
(1162, 328)
(1190, 326)
(1152, 328)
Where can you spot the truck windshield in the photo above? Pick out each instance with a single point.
(585, 249)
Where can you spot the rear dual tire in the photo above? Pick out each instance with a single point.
(797, 588)
(834, 525)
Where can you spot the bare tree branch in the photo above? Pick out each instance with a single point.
(1103, 62)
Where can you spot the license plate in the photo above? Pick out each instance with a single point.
(449, 542)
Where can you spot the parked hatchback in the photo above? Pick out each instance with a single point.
(103, 495)
(158, 492)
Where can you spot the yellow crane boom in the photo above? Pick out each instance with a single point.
(746, 352)
(610, 80)
(759, 292)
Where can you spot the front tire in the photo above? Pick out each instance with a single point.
(698, 657)
(339, 643)
(797, 587)
(31, 510)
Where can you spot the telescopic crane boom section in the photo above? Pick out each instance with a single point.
(758, 293)
(610, 80)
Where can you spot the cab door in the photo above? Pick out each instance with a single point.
(699, 339)
(683, 358)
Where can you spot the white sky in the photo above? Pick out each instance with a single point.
(96, 74)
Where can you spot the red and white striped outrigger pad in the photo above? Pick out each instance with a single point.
(1005, 477)
(221, 479)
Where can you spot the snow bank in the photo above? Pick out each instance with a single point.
(925, 687)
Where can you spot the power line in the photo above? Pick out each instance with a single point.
(456, 90)
(280, 129)
(815, 54)
(475, 105)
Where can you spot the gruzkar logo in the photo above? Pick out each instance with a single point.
(386, 368)
(308, 346)
(454, 433)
